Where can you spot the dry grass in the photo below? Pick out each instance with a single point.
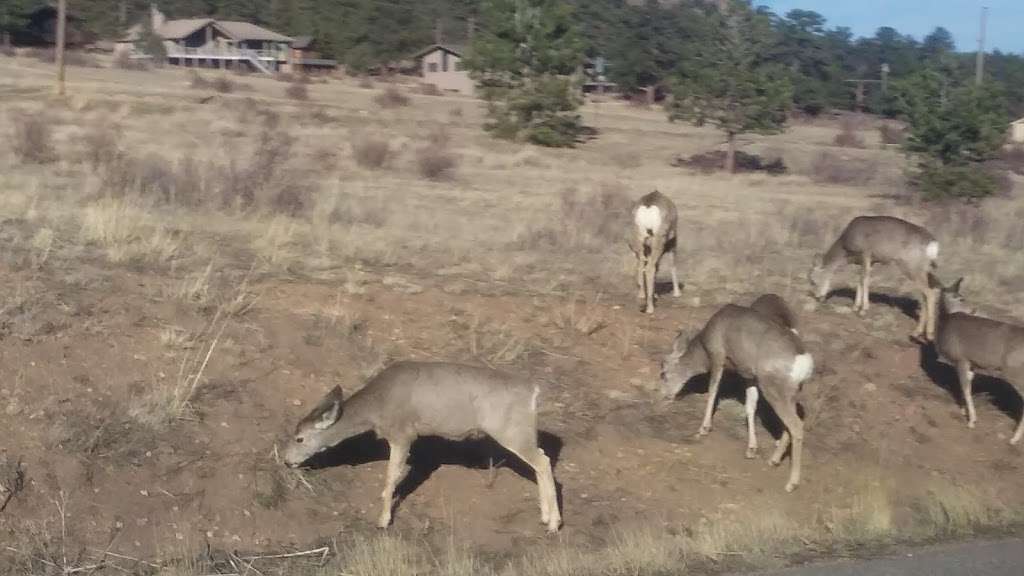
(436, 162)
(32, 141)
(831, 168)
(297, 91)
(371, 152)
(892, 134)
(849, 135)
(392, 97)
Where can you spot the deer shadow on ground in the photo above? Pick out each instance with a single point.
(428, 453)
(734, 387)
(910, 307)
(1004, 395)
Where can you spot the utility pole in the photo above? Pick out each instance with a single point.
(979, 63)
(59, 55)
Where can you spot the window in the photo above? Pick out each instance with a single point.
(432, 67)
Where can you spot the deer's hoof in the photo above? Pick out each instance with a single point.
(773, 461)
(971, 425)
(676, 294)
(1014, 441)
(790, 486)
(862, 312)
(704, 430)
(383, 523)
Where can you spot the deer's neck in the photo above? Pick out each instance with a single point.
(835, 256)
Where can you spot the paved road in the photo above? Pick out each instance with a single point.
(992, 558)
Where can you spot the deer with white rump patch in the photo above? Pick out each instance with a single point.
(759, 348)
(882, 239)
(971, 342)
(412, 399)
(652, 234)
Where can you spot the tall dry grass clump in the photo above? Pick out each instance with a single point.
(848, 136)
(391, 97)
(101, 144)
(32, 141)
(370, 152)
(435, 160)
(829, 168)
(297, 91)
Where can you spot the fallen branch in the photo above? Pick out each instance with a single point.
(322, 552)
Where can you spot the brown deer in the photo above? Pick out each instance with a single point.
(882, 239)
(652, 234)
(758, 348)
(412, 399)
(971, 342)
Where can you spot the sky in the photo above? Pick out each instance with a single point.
(919, 17)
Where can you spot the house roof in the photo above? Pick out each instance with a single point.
(302, 42)
(178, 29)
(247, 31)
(456, 50)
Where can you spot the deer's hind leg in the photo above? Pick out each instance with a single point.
(784, 404)
(397, 468)
(522, 441)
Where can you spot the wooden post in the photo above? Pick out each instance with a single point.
(979, 62)
(59, 51)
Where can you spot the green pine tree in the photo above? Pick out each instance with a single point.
(730, 83)
(523, 60)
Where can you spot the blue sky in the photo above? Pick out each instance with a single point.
(919, 17)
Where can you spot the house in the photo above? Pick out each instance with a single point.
(40, 29)
(1017, 131)
(305, 57)
(441, 65)
(210, 43)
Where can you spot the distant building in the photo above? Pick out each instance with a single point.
(210, 43)
(306, 58)
(41, 29)
(1017, 131)
(441, 65)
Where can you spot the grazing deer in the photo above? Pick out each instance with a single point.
(412, 399)
(653, 233)
(882, 239)
(774, 306)
(971, 342)
(758, 348)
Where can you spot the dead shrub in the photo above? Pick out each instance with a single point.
(366, 83)
(124, 61)
(714, 161)
(439, 136)
(101, 144)
(430, 90)
(830, 168)
(8, 51)
(391, 97)
(33, 139)
(224, 85)
(370, 152)
(436, 162)
(892, 134)
(583, 217)
(848, 136)
(297, 91)
(259, 175)
(1012, 159)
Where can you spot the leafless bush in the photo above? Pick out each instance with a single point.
(370, 152)
(124, 61)
(33, 139)
(258, 175)
(430, 90)
(439, 136)
(366, 83)
(892, 134)
(391, 97)
(714, 161)
(1013, 159)
(848, 136)
(101, 144)
(583, 218)
(71, 58)
(297, 91)
(436, 162)
(224, 85)
(832, 169)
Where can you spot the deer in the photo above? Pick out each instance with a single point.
(758, 348)
(867, 240)
(652, 234)
(969, 342)
(411, 399)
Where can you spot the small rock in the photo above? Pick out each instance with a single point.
(870, 387)
(296, 402)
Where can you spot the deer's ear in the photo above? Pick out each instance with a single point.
(955, 288)
(327, 412)
(934, 283)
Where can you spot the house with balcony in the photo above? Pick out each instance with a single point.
(211, 43)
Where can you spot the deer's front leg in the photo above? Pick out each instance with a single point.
(396, 470)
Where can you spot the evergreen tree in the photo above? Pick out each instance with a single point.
(954, 130)
(731, 84)
(523, 61)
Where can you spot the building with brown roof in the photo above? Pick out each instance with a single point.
(441, 65)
